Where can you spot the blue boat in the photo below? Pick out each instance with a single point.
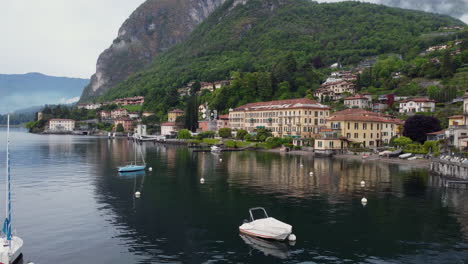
(134, 166)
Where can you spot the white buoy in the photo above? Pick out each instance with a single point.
(363, 183)
(150, 169)
(202, 180)
(364, 201)
(292, 237)
(220, 160)
(311, 173)
(301, 165)
(137, 194)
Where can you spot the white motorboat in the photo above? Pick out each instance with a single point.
(10, 247)
(215, 149)
(266, 227)
(405, 156)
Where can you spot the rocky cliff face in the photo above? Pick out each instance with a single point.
(151, 29)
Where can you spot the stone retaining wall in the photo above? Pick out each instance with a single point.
(450, 169)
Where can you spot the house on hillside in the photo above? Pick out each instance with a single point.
(358, 101)
(335, 90)
(118, 113)
(416, 105)
(126, 123)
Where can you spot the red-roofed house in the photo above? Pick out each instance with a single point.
(223, 122)
(334, 90)
(416, 105)
(358, 101)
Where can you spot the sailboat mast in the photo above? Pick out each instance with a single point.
(7, 228)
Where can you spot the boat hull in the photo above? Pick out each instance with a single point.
(12, 254)
(267, 228)
(132, 168)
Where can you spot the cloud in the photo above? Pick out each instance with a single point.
(59, 37)
(69, 100)
(455, 8)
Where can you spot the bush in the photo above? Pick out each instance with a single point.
(225, 132)
(241, 133)
(248, 137)
(402, 141)
(230, 144)
(206, 134)
(184, 134)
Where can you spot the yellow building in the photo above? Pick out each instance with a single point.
(456, 120)
(294, 117)
(174, 114)
(367, 128)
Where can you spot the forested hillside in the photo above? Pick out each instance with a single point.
(284, 44)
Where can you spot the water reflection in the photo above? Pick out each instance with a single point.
(70, 194)
(269, 248)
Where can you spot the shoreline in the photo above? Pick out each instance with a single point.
(418, 163)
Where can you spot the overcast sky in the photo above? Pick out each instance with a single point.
(65, 37)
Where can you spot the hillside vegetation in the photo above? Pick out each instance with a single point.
(284, 44)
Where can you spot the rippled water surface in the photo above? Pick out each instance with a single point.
(71, 206)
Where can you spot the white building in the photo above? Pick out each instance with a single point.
(169, 128)
(358, 101)
(417, 105)
(61, 124)
(89, 106)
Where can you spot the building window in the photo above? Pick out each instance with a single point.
(348, 135)
(320, 144)
(330, 144)
(364, 135)
(364, 126)
(349, 124)
(356, 126)
(356, 135)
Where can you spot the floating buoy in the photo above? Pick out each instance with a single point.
(220, 160)
(311, 173)
(202, 180)
(150, 169)
(364, 201)
(292, 237)
(301, 165)
(137, 194)
(363, 183)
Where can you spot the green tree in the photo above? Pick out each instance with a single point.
(402, 142)
(184, 134)
(241, 134)
(225, 132)
(119, 128)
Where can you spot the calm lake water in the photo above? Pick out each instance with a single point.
(71, 206)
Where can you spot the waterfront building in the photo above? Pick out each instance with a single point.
(126, 123)
(294, 117)
(140, 129)
(330, 140)
(364, 127)
(222, 122)
(457, 132)
(169, 128)
(118, 113)
(174, 114)
(359, 101)
(61, 125)
(416, 105)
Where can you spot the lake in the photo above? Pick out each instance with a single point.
(71, 206)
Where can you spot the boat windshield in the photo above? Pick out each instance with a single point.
(258, 213)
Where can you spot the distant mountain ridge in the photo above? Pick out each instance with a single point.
(24, 90)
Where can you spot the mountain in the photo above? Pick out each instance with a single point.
(151, 29)
(258, 35)
(24, 90)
